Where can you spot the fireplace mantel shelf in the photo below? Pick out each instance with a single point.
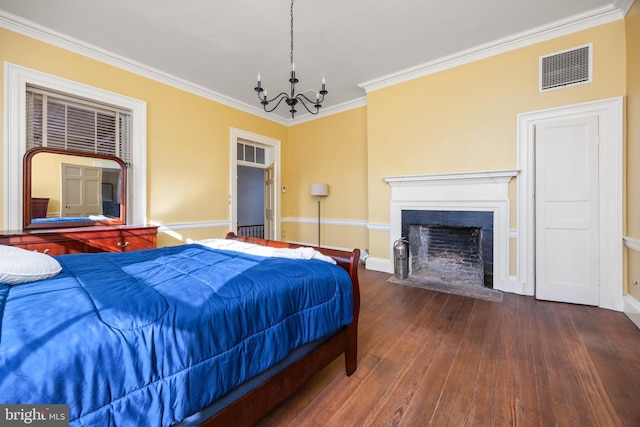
(460, 176)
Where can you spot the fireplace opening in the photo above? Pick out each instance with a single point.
(447, 254)
(450, 247)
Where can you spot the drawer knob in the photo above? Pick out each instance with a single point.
(123, 245)
(46, 251)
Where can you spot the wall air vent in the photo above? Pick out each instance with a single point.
(567, 68)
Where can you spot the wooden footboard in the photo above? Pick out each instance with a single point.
(254, 405)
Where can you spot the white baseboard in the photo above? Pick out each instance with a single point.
(632, 309)
(379, 264)
(512, 285)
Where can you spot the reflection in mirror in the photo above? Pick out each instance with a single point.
(71, 189)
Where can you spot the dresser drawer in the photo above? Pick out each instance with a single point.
(83, 239)
(120, 244)
(55, 248)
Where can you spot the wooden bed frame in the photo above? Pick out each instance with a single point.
(257, 403)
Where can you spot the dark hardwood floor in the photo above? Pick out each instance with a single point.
(430, 358)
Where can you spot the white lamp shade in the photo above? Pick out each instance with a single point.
(319, 189)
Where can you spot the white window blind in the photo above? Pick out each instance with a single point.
(56, 120)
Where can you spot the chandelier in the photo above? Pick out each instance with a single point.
(291, 99)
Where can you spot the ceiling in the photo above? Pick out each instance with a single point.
(217, 48)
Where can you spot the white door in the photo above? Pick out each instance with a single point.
(269, 196)
(81, 190)
(566, 195)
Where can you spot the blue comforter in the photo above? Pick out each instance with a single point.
(150, 337)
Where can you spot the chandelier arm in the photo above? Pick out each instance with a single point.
(300, 96)
(281, 97)
(272, 99)
(304, 104)
(306, 107)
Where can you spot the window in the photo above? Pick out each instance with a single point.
(17, 79)
(250, 153)
(57, 120)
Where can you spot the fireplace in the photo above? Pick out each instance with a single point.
(468, 192)
(450, 247)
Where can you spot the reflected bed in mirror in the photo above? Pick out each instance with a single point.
(65, 188)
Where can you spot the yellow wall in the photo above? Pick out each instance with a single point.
(464, 119)
(188, 136)
(331, 150)
(632, 24)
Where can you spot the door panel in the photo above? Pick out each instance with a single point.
(566, 193)
(81, 191)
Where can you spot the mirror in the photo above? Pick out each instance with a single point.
(65, 188)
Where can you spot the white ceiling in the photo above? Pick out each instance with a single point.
(218, 47)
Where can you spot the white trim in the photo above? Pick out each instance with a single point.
(456, 179)
(340, 222)
(379, 264)
(592, 18)
(631, 243)
(271, 144)
(467, 191)
(30, 29)
(329, 111)
(569, 25)
(16, 80)
(610, 113)
(379, 227)
(632, 309)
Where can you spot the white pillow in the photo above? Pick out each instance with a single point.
(265, 251)
(19, 265)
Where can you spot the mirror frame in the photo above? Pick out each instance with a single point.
(27, 181)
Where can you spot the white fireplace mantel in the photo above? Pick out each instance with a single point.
(467, 191)
(451, 186)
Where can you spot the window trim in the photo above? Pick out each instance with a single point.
(16, 80)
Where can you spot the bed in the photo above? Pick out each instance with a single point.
(191, 335)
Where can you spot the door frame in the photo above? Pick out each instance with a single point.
(271, 144)
(610, 188)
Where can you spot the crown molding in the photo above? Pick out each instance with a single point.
(543, 33)
(30, 29)
(599, 16)
(345, 106)
(27, 28)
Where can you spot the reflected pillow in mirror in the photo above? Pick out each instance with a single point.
(19, 265)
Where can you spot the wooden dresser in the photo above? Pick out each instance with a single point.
(83, 239)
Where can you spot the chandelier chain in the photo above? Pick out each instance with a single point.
(292, 33)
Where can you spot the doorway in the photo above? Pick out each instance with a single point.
(607, 202)
(251, 202)
(255, 174)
